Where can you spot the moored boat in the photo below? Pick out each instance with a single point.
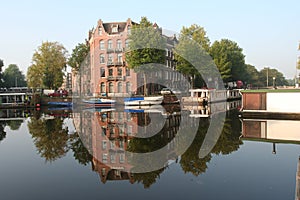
(99, 102)
(141, 101)
(64, 104)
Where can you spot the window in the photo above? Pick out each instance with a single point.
(120, 60)
(128, 29)
(102, 58)
(104, 158)
(119, 44)
(126, 43)
(112, 145)
(122, 144)
(102, 72)
(114, 28)
(120, 87)
(102, 47)
(128, 88)
(103, 129)
(110, 72)
(113, 158)
(119, 71)
(100, 30)
(109, 44)
(111, 87)
(110, 58)
(103, 88)
(127, 72)
(104, 144)
(122, 157)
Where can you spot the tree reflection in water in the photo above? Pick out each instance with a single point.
(227, 143)
(49, 137)
(2, 131)
(52, 141)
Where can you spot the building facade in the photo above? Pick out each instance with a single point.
(109, 72)
(110, 75)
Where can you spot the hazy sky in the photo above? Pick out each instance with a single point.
(268, 31)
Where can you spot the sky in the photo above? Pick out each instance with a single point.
(267, 31)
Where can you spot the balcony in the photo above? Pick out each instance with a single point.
(116, 78)
(118, 50)
(110, 50)
(110, 63)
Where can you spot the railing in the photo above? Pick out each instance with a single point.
(118, 78)
(110, 63)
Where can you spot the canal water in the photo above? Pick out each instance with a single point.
(64, 154)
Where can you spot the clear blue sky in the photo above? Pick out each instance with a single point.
(268, 31)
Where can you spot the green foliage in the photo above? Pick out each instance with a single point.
(198, 34)
(14, 124)
(229, 58)
(2, 130)
(146, 46)
(269, 73)
(252, 76)
(191, 53)
(13, 77)
(49, 137)
(1, 65)
(48, 61)
(80, 153)
(79, 54)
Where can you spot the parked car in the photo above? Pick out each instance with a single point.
(59, 93)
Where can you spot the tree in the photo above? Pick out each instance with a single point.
(13, 77)
(79, 54)
(1, 65)
(252, 76)
(229, 58)
(48, 62)
(146, 48)
(1, 76)
(77, 61)
(268, 73)
(198, 34)
(191, 53)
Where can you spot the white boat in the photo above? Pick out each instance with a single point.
(142, 101)
(101, 102)
(202, 96)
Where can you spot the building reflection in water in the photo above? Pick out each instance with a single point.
(107, 139)
(110, 135)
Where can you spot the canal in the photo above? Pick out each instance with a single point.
(105, 154)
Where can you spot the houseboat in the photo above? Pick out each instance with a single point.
(203, 96)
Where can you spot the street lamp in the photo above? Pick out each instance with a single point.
(274, 78)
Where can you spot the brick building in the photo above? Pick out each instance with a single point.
(109, 74)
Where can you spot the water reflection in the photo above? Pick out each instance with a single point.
(275, 131)
(109, 134)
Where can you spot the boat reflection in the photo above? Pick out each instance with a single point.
(110, 139)
(114, 137)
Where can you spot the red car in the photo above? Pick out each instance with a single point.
(59, 93)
